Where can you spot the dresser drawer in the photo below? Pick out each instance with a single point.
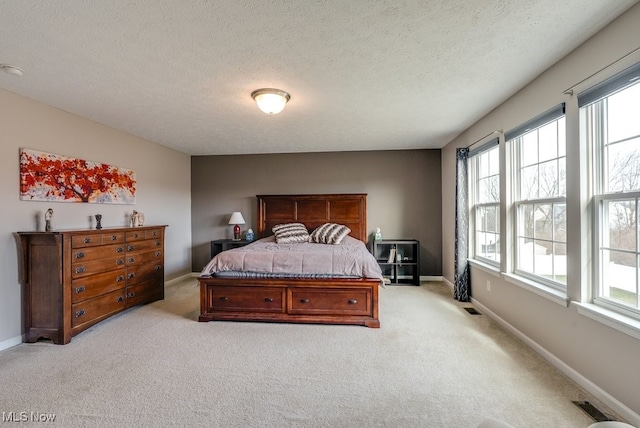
(145, 292)
(153, 233)
(95, 239)
(92, 310)
(145, 245)
(81, 241)
(144, 272)
(80, 255)
(113, 238)
(329, 302)
(135, 235)
(96, 266)
(143, 257)
(246, 299)
(91, 286)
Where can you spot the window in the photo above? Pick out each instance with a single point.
(609, 116)
(485, 202)
(539, 151)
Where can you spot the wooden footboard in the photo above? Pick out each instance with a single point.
(332, 301)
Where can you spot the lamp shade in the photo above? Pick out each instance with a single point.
(269, 100)
(236, 218)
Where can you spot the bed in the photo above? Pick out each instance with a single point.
(290, 296)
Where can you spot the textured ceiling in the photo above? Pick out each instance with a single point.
(362, 74)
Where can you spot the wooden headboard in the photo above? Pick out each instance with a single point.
(313, 211)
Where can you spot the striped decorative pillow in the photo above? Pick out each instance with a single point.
(290, 233)
(329, 233)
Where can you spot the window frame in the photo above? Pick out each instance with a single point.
(474, 188)
(594, 123)
(517, 251)
(514, 139)
(599, 244)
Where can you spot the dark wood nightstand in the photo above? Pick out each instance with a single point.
(220, 245)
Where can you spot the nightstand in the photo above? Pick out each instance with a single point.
(220, 245)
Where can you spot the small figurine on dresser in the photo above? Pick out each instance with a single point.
(98, 221)
(137, 219)
(48, 220)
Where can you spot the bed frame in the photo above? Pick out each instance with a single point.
(323, 301)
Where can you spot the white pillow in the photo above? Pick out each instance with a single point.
(329, 233)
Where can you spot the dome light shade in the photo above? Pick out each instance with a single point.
(269, 100)
(10, 69)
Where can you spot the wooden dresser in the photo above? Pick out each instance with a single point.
(74, 279)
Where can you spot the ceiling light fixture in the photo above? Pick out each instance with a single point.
(269, 100)
(10, 69)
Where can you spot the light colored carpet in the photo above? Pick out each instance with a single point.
(430, 365)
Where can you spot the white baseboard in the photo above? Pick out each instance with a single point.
(9, 343)
(447, 282)
(181, 278)
(430, 278)
(597, 392)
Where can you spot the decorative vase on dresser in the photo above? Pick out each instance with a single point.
(74, 279)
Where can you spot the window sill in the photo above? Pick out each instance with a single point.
(541, 290)
(610, 318)
(486, 267)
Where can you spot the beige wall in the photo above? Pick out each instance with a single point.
(403, 188)
(601, 358)
(163, 190)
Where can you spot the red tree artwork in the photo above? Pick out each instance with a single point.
(50, 177)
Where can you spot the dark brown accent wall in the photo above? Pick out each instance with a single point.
(403, 187)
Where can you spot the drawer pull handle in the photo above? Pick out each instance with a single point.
(304, 300)
(154, 233)
(119, 250)
(80, 289)
(130, 248)
(119, 262)
(119, 299)
(132, 259)
(80, 269)
(158, 253)
(114, 237)
(87, 240)
(131, 275)
(158, 267)
(79, 255)
(268, 299)
(352, 301)
(224, 298)
(158, 243)
(135, 235)
(80, 313)
(131, 294)
(120, 278)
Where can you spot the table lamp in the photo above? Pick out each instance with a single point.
(236, 219)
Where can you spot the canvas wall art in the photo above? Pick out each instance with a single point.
(56, 178)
